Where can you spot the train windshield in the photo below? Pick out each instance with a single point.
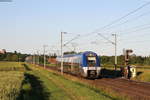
(91, 61)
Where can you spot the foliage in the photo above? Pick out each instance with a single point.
(139, 60)
(10, 84)
(9, 56)
(70, 52)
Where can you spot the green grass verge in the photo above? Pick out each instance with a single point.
(51, 65)
(58, 87)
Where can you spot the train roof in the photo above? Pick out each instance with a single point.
(79, 54)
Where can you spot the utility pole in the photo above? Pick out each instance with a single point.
(44, 47)
(115, 43)
(61, 53)
(38, 58)
(64, 44)
(34, 58)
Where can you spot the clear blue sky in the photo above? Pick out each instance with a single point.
(25, 25)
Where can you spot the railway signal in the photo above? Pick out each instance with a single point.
(127, 70)
(127, 52)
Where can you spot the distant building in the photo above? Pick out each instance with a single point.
(29, 59)
(52, 60)
(2, 51)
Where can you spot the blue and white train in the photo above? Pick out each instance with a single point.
(87, 62)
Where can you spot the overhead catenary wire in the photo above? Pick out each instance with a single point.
(105, 38)
(71, 40)
(115, 21)
(118, 20)
(137, 30)
(132, 28)
(130, 13)
(129, 20)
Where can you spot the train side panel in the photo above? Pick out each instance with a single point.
(86, 64)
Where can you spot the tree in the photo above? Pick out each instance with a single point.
(70, 52)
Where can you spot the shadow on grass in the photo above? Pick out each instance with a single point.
(139, 73)
(108, 73)
(26, 67)
(33, 89)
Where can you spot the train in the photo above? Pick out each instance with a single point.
(87, 64)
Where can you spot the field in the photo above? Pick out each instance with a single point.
(143, 74)
(22, 81)
(10, 80)
(11, 66)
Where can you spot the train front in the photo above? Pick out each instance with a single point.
(91, 63)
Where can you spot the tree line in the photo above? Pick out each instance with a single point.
(135, 60)
(108, 60)
(13, 56)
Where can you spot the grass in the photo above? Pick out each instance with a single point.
(10, 84)
(20, 81)
(143, 74)
(51, 65)
(11, 66)
(11, 77)
(57, 87)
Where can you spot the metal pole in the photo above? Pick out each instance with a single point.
(115, 51)
(38, 61)
(115, 43)
(61, 52)
(34, 58)
(44, 54)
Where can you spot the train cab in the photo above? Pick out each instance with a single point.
(92, 65)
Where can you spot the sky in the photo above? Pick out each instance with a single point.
(27, 25)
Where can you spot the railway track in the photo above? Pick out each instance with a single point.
(132, 89)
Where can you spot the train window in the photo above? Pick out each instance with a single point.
(91, 61)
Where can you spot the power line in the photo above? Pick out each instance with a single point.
(137, 30)
(71, 40)
(129, 20)
(106, 38)
(132, 28)
(130, 13)
(141, 41)
(117, 20)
